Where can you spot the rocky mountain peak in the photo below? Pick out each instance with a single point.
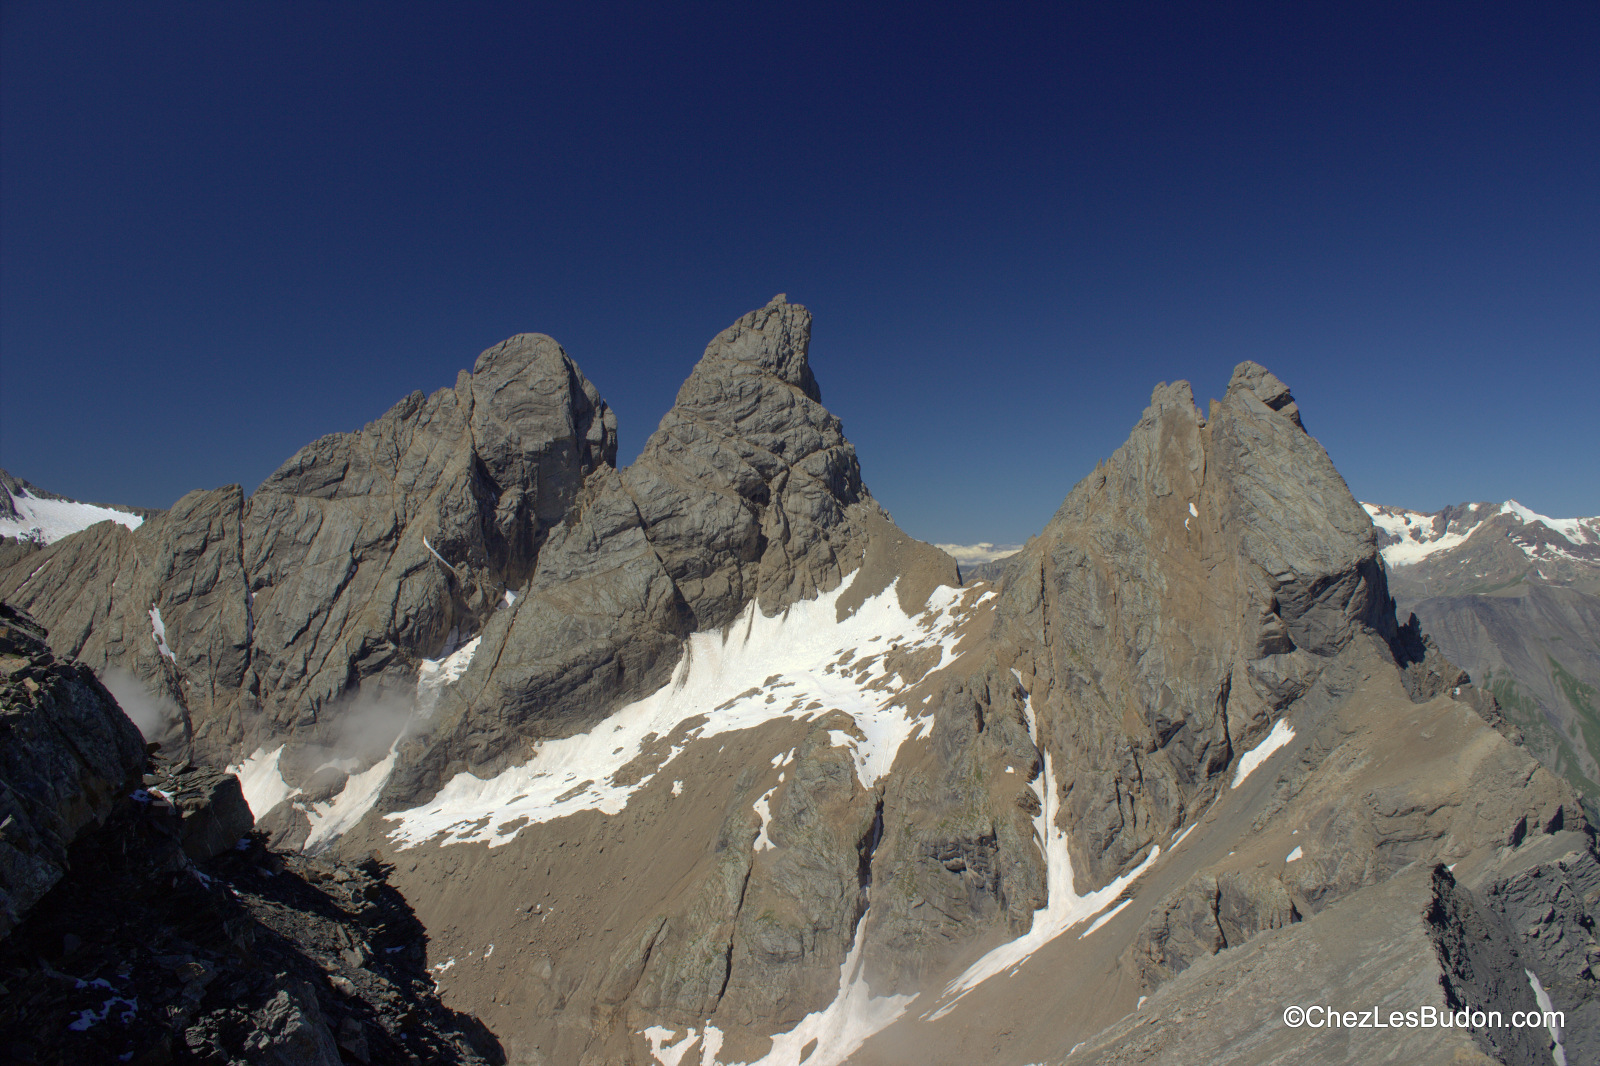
(1261, 383)
(773, 340)
(735, 768)
(750, 465)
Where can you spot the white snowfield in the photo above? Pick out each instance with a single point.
(1418, 540)
(264, 787)
(795, 665)
(50, 520)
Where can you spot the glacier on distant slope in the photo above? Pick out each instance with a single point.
(50, 520)
(1419, 537)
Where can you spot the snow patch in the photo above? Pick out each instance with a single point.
(435, 674)
(339, 815)
(1193, 512)
(1542, 997)
(158, 629)
(1063, 908)
(49, 520)
(763, 809)
(719, 686)
(90, 1018)
(1297, 853)
(1281, 734)
(263, 784)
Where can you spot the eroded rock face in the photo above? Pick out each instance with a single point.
(67, 754)
(747, 491)
(1185, 595)
(251, 619)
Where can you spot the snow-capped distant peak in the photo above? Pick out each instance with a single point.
(48, 520)
(981, 552)
(1576, 530)
(1407, 537)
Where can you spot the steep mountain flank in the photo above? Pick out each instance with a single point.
(303, 612)
(1188, 719)
(1514, 597)
(746, 492)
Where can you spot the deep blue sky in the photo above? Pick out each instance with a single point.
(229, 228)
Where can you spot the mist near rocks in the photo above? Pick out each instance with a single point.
(158, 717)
(355, 732)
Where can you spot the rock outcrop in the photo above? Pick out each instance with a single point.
(305, 609)
(747, 491)
(67, 755)
(138, 921)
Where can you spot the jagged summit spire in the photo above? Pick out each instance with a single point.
(774, 339)
(1262, 383)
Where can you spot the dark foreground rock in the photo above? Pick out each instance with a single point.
(141, 924)
(66, 752)
(141, 955)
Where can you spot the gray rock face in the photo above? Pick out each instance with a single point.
(211, 805)
(743, 489)
(66, 753)
(1185, 595)
(1211, 579)
(296, 612)
(747, 491)
(361, 555)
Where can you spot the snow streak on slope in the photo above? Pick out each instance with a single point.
(798, 664)
(1063, 908)
(1282, 733)
(54, 519)
(264, 786)
(822, 1038)
(840, 1028)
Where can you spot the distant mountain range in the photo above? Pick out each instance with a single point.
(982, 561)
(1513, 597)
